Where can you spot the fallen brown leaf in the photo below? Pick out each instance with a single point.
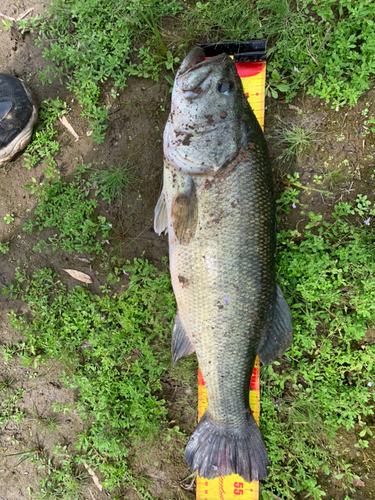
(67, 125)
(82, 259)
(94, 477)
(358, 482)
(77, 275)
(296, 108)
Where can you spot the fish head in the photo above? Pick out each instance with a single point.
(205, 129)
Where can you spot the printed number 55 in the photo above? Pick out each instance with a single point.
(238, 488)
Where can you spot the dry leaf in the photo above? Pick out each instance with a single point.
(358, 482)
(67, 125)
(77, 275)
(94, 477)
(82, 259)
(296, 108)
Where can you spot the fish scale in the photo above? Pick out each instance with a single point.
(218, 207)
(227, 258)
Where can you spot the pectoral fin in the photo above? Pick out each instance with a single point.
(161, 217)
(181, 344)
(185, 212)
(278, 337)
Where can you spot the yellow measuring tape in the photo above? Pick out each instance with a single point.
(253, 77)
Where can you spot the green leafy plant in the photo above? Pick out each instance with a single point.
(91, 41)
(324, 382)
(10, 397)
(322, 46)
(9, 218)
(4, 248)
(112, 347)
(67, 208)
(63, 478)
(43, 147)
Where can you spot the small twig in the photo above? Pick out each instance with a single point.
(329, 204)
(190, 487)
(298, 185)
(349, 189)
(342, 126)
(298, 223)
(24, 14)
(8, 17)
(21, 16)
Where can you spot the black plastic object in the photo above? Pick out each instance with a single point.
(251, 51)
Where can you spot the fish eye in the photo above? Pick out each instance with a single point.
(224, 87)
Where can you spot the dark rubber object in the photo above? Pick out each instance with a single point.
(17, 116)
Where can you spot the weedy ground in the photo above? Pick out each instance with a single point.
(90, 399)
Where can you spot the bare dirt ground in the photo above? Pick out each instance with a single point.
(343, 151)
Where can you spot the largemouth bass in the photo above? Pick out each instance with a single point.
(218, 207)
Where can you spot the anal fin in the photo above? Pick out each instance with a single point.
(278, 337)
(181, 344)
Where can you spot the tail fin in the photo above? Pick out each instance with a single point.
(216, 451)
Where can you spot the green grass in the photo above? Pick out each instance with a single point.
(116, 348)
(63, 478)
(68, 208)
(325, 47)
(324, 382)
(114, 351)
(112, 182)
(294, 140)
(91, 41)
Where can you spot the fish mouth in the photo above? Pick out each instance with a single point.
(195, 74)
(196, 59)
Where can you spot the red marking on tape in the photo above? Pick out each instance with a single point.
(254, 383)
(221, 487)
(249, 69)
(200, 377)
